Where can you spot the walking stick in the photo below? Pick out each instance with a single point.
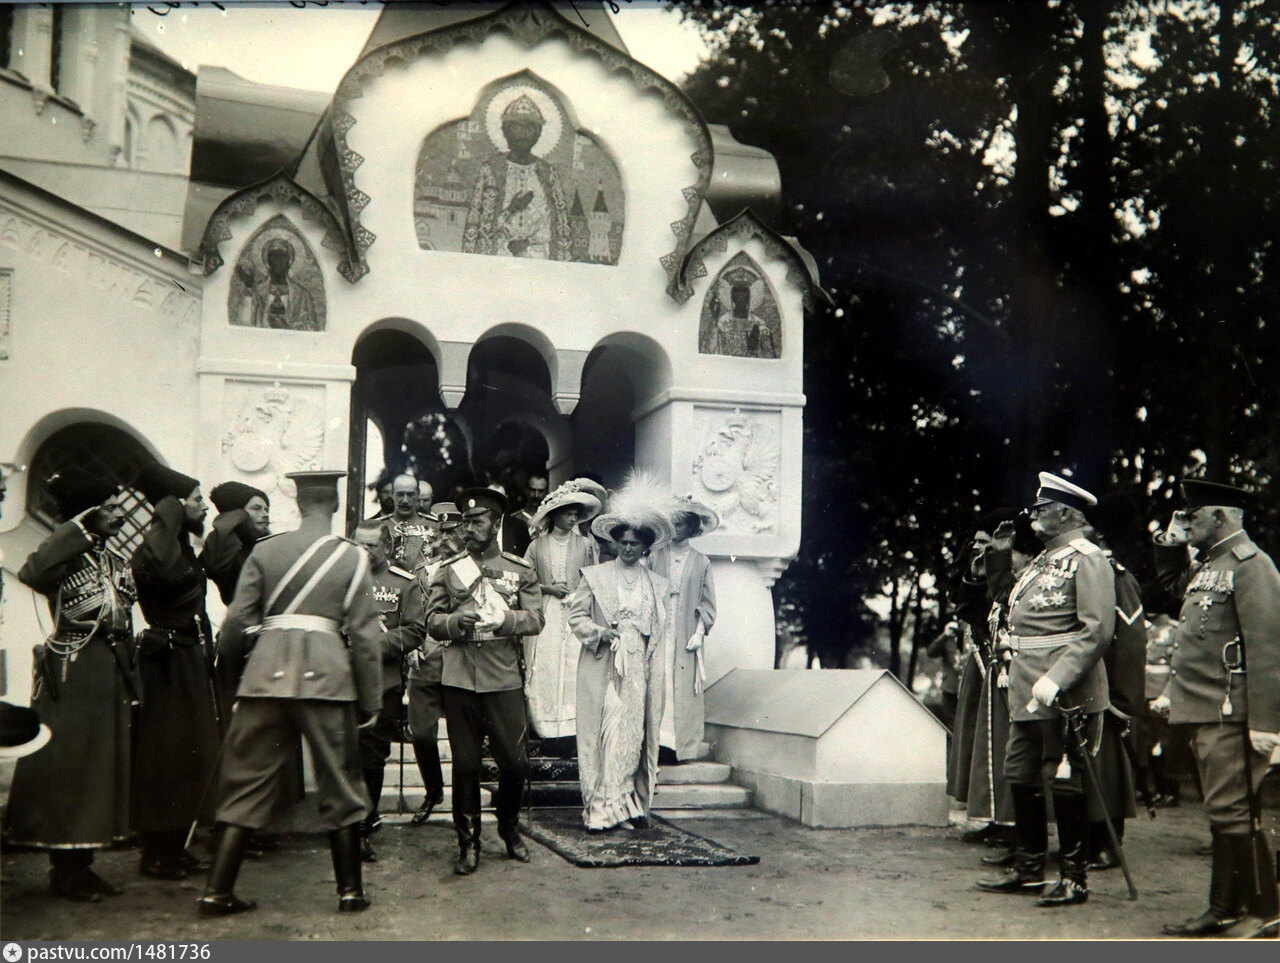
(401, 803)
(1075, 724)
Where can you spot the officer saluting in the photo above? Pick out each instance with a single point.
(1062, 614)
(301, 592)
(1224, 684)
(479, 605)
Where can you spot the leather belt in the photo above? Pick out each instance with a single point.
(307, 623)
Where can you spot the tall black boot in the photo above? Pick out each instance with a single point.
(69, 875)
(1072, 887)
(344, 845)
(516, 849)
(1031, 840)
(468, 827)
(1259, 896)
(1224, 893)
(219, 898)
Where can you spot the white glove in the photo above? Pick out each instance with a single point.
(1044, 692)
(695, 641)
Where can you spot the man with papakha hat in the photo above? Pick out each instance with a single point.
(424, 667)
(72, 797)
(1062, 615)
(301, 648)
(244, 516)
(1224, 686)
(178, 726)
(480, 603)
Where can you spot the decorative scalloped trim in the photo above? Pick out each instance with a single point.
(282, 190)
(742, 227)
(529, 25)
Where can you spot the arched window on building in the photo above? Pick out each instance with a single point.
(161, 145)
(101, 449)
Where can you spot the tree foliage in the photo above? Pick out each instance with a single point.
(1046, 228)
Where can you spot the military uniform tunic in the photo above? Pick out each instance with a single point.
(74, 793)
(401, 608)
(311, 663)
(482, 679)
(1062, 616)
(1225, 672)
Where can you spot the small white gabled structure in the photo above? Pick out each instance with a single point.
(831, 748)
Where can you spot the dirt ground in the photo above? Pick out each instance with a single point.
(809, 884)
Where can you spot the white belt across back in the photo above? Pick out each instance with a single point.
(307, 623)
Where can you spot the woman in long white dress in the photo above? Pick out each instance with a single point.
(619, 615)
(558, 554)
(691, 612)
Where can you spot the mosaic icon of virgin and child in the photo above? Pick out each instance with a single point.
(515, 180)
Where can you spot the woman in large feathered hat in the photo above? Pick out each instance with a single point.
(618, 614)
(691, 611)
(558, 554)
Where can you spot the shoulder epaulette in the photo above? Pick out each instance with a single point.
(1243, 552)
(452, 558)
(265, 537)
(396, 570)
(516, 558)
(349, 541)
(1084, 546)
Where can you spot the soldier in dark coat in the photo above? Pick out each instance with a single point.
(480, 604)
(314, 662)
(1224, 686)
(244, 516)
(1061, 619)
(402, 617)
(178, 727)
(72, 797)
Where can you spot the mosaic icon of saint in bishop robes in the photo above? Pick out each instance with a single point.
(515, 179)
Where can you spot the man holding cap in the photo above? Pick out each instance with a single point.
(1224, 685)
(1062, 613)
(301, 592)
(480, 603)
(425, 667)
(72, 797)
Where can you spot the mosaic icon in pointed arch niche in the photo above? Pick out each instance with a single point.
(516, 178)
(740, 314)
(277, 281)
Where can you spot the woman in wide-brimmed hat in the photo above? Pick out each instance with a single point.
(618, 613)
(558, 554)
(691, 612)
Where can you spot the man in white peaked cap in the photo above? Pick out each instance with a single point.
(1061, 618)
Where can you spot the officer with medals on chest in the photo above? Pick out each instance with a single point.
(1062, 613)
(480, 603)
(410, 534)
(1224, 686)
(301, 648)
(401, 607)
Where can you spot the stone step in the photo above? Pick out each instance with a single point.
(689, 773)
(713, 796)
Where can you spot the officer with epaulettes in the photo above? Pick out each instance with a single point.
(401, 605)
(1224, 686)
(301, 649)
(1061, 619)
(481, 602)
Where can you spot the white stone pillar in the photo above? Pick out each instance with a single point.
(113, 77)
(32, 49)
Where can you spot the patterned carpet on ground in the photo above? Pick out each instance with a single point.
(662, 844)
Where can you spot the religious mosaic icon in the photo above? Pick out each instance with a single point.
(277, 281)
(517, 179)
(740, 314)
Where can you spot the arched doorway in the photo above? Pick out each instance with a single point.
(397, 392)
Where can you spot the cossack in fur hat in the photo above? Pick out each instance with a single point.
(77, 491)
(157, 481)
(231, 495)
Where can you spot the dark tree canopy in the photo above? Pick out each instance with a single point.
(1047, 231)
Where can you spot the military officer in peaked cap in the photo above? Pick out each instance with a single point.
(1061, 619)
(1224, 685)
(479, 605)
(301, 648)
